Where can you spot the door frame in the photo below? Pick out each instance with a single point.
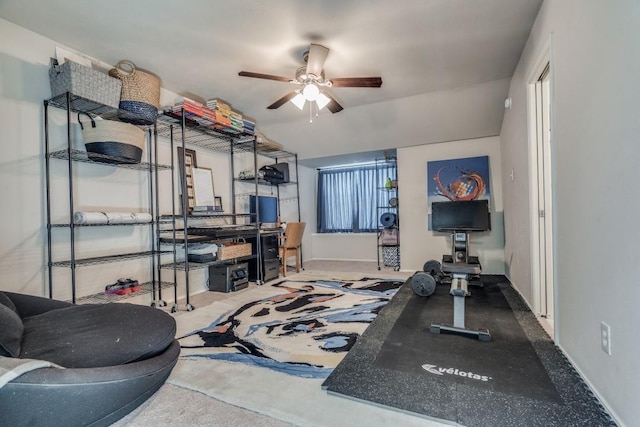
(546, 57)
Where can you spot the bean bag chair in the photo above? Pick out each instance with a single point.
(72, 365)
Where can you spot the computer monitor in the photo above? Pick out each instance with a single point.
(266, 211)
(464, 216)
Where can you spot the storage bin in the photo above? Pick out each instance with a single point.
(121, 142)
(140, 93)
(391, 256)
(388, 236)
(233, 250)
(85, 82)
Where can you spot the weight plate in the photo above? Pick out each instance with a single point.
(423, 284)
(388, 219)
(432, 267)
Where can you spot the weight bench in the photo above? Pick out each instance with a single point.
(461, 268)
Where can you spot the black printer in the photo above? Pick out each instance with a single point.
(228, 277)
(277, 173)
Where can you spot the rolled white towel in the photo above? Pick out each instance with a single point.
(90, 218)
(111, 218)
(142, 217)
(121, 218)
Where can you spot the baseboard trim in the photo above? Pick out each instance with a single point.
(592, 388)
(513, 285)
(341, 259)
(588, 383)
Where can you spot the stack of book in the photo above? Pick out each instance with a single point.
(218, 104)
(195, 111)
(222, 112)
(248, 126)
(216, 114)
(236, 121)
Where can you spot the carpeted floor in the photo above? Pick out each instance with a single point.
(519, 378)
(178, 406)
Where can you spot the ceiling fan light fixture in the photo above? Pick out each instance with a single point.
(322, 100)
(299, 100)
(311, 81)
(310, 92)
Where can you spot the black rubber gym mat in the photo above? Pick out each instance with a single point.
(508, 363)
(528, 380)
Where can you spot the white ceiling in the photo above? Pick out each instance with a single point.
(445, 64)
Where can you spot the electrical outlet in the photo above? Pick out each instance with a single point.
(605, 338)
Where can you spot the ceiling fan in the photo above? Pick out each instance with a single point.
(313, 83)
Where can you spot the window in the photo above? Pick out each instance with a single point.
(347, 198)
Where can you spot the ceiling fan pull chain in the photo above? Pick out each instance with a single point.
(311, 112)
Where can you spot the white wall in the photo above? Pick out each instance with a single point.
(307, 184)
(24, 83)
(345, 246)
(417, 243)
(596, 64)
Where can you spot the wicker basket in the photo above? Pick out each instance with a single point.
(85, 82)
(140, 93)
(113, 152)
(233, 250)
(109, 141)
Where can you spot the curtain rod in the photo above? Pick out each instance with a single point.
(348, 166)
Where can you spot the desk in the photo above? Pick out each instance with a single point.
(217, 232)
(208, 234)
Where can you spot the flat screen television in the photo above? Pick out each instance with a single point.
(266, 210)
(464, 216)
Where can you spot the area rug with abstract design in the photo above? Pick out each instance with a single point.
(301, 326)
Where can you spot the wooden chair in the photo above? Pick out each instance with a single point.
(290, 245)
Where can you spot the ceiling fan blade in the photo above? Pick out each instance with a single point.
(315, 59)
(356, 82)
(280, 102)
(263, 76)
(333, 106)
